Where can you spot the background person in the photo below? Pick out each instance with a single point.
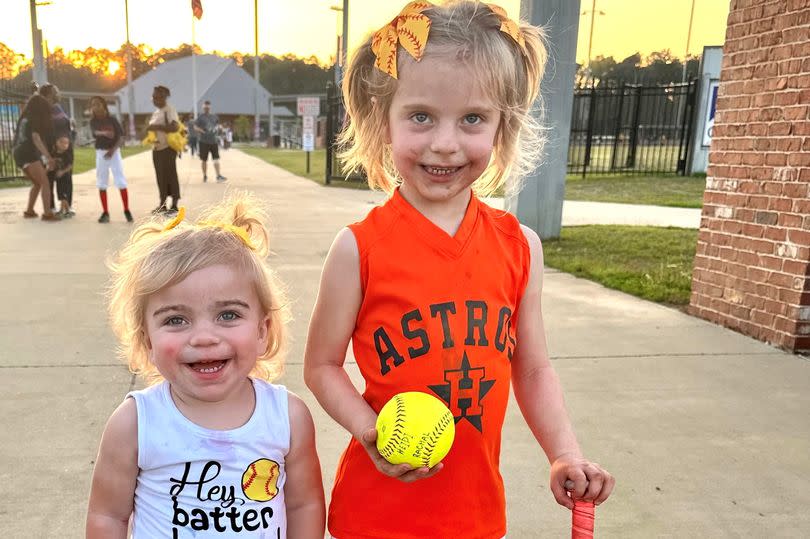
(206, 125)
(32, 155)
(109, 137)
(164, 120)
(192, 135)
(62, 175)
(61, 126)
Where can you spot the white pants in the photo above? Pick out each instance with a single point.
(104, 166)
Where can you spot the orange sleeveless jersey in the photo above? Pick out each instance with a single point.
(438, 316)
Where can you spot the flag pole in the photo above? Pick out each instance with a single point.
(193, 70)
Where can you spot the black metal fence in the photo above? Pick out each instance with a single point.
(12, 98)
(631, 129)
(621, 129)
(335, 119)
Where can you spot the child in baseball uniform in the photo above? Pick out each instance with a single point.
(437, 291)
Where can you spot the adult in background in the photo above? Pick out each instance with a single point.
(61, 128)
(192, 135)
(109, 137)
(163, 121)
(206, 125)
(32, 155)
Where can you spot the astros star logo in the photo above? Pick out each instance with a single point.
(464, 391)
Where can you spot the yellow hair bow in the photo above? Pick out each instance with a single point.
(181, 214)
(410, 29)
(508, 26)
(238, 231)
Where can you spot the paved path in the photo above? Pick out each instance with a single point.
(706, 430)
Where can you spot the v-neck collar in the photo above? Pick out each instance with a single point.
(435, 235)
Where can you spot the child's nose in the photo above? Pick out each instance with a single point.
(204, 335)
(445, 139)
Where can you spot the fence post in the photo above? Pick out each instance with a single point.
(631, 152)
(686, 127)
(589, 133)
(618, 131)
(330, 130)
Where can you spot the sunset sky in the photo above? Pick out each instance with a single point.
(309, 27)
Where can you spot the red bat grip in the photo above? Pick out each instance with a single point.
(582, 520)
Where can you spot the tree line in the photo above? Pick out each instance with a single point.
(660, 67)
(104, 71)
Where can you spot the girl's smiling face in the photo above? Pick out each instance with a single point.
(205, 333)
(442, 128)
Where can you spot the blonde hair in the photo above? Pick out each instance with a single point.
(469, 31)
(154, 258)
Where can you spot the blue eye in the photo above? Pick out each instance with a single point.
(229, 316)
(175, 321)
(473, 119)
(420, 117)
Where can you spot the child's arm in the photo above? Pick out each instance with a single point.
(112, 492)
(303, 491)
(539, 395)
(330, 329)
(62, 171)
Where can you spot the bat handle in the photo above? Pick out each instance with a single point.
(582, 518)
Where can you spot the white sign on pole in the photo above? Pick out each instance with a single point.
(711, 107)
(309, 106)
(308, 141)
(308, 134)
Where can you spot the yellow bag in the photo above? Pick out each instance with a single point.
(177, 141)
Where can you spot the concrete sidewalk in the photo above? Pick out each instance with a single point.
(706, 430)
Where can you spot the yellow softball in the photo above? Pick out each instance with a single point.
(260, 480)
(415, 428)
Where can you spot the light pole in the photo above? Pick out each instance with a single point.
(256, 126)
(130, 89)
(344, 37)
(40, 71)
(590, 36)
(688, 39)
(338, 63)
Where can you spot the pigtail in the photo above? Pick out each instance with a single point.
(367, 92)
(521, 137)
(242, 210)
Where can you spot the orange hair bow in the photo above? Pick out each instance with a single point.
(508, 26)
(410, 29)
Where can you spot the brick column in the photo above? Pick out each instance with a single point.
(752, 268)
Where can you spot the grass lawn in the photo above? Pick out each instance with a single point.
(670, 190)
(648, 262)
(294, 161)
(84, 159)
(662, 190)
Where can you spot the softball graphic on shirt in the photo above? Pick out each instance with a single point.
(260, 480)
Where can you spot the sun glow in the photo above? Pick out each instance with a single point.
(113, 67)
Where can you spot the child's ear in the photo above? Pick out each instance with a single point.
(264, 335)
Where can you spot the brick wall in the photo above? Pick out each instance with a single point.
(752, 269)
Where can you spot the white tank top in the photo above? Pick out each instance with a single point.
(199, 483)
